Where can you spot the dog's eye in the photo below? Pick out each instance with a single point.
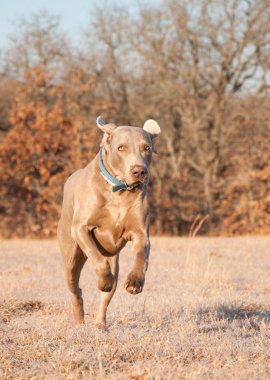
(147, 147)
(121, 148)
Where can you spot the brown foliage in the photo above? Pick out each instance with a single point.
(38, 154)
(7, 88)
(244, 198)
(36, 157)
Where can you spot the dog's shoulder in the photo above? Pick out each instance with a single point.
(80, 177)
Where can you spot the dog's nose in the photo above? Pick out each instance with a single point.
(139, 171)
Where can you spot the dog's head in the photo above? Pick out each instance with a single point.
(129, 150)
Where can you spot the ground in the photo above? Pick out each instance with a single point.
(204, 314)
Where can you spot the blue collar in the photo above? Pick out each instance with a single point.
(116, 183)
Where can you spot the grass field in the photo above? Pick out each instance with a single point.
(204, 314)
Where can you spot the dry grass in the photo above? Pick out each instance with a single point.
(204, 314)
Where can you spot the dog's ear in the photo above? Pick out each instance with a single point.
(107, 129)
(152, 127)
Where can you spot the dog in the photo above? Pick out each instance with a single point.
(105, 205)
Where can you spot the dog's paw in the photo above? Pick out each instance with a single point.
(105, 283)
(134, 283)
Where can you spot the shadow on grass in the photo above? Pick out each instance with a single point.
(223, 317)
(20, 308)
(231, 313)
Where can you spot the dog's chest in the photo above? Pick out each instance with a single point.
(120, 213)
(111, 226)
(117, 215)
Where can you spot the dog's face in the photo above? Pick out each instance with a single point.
(129, 150)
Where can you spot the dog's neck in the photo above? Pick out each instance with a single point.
(106, 163)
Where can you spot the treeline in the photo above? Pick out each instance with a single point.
(198, 67)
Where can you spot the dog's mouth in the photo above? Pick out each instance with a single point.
(135, 185)
(138, 182)
(132, 182)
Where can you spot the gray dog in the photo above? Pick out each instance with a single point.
(105, 205)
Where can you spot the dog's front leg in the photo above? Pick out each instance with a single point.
(106, 297)
(135, 279)
(80, 234)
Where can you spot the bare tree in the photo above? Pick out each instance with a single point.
(187, 60)
(36, 41)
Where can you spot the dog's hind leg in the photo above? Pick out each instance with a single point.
(73, 271)
(107, 296)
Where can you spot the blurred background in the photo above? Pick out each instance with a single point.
(200, 68)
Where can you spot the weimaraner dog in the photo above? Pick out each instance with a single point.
(105, 205)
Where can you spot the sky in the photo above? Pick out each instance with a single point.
(74, 14)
